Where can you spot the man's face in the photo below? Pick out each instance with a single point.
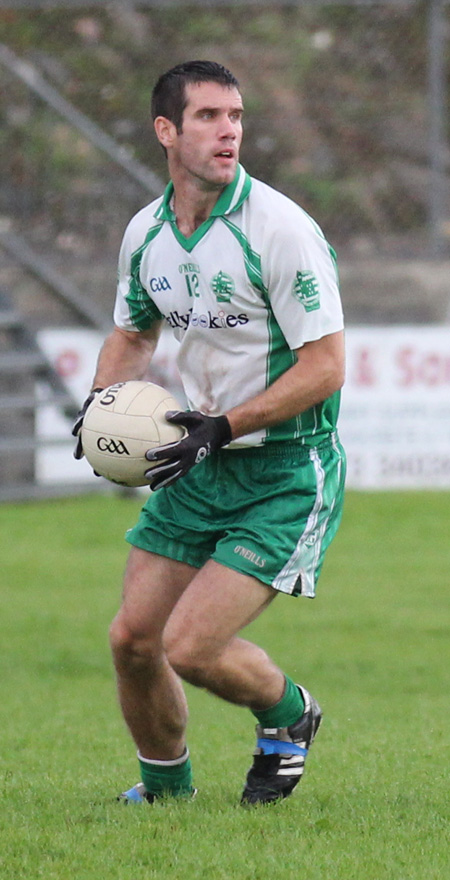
(207, 148)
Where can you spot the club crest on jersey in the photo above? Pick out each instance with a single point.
(223, 287)
(306, 290)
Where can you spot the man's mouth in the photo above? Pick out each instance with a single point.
(225, 154)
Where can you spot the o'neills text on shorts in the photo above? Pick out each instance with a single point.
(250, 555)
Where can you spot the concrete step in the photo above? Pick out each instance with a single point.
(29, 401)
(21, 361)
(30, 444)
(10, 320)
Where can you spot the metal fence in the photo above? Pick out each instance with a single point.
(347, 106)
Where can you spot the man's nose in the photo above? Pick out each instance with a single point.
(227, 129)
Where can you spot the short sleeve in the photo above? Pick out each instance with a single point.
(300, 274)
(134, 308)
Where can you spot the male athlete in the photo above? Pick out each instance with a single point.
(244, 506)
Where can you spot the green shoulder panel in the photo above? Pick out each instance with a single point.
(143, 311)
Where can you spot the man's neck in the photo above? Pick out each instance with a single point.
(192, 206)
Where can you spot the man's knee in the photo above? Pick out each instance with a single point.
(190, 658)
(133, 646)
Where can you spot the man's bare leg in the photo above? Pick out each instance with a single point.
(199, 613)
(203, 647)
(177, 620)
(201, 641)
(150, 693)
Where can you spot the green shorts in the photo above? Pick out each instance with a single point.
(268, 511)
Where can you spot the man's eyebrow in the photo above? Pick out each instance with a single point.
(215, 109)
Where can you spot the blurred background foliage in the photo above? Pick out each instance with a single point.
(336, 109)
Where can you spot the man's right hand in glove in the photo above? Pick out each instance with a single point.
(76, 430)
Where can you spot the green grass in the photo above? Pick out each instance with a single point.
(373, 647)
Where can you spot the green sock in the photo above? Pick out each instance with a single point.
(286, 711)
(167, 777)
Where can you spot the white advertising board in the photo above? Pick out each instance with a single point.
(395, 416)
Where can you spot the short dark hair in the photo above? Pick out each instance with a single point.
(169, 94)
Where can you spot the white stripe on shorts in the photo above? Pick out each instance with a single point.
(304, 560)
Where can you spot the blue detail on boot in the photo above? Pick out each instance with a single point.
(279, 747)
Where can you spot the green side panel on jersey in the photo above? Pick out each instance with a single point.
(317, 421)
(322, 418)
(252, 260)
(280, 359)
(143, 311)
(280, 356)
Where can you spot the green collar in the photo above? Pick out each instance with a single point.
(230, 199)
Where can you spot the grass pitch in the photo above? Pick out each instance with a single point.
(373, 647)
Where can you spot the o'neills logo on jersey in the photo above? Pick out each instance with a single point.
(206, 320)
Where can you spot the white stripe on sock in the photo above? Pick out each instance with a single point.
(180, 760)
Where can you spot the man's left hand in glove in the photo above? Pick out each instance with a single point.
(76, 430)
(205, 434)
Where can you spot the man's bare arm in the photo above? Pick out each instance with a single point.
(125, 355)
(318, 373)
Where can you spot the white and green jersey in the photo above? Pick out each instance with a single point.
(255, 281)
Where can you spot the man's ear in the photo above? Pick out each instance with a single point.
(165, 131)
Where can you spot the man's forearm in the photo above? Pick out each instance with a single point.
(124, 355)
(318, 373)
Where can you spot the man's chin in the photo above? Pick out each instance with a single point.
(217, 178)
(223, 176)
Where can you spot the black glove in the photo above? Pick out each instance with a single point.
(205, 435)
(76, 430)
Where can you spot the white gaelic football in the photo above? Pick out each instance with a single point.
(121, 424)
